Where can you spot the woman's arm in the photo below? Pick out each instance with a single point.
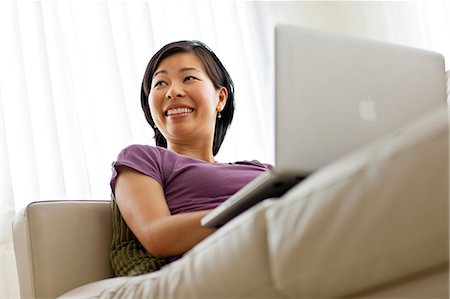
(143, 206)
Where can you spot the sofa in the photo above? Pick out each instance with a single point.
(372, 224)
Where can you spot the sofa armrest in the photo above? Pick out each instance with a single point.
(60, 245)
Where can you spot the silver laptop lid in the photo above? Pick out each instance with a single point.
(335, 93)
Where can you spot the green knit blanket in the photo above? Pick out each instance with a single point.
(128, 257)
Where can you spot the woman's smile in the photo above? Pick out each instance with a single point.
(177, 111)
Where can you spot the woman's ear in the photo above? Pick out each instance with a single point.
(222, 97)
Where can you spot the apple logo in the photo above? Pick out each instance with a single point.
(366, 108)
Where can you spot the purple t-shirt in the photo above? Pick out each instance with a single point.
(189, 184)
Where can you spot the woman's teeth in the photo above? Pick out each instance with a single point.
(178, 111)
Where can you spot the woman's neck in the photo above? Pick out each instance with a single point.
(197, 152)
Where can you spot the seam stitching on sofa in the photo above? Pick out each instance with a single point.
(30, 250)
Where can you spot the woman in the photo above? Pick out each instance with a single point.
(162, 192)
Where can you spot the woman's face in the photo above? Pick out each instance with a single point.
(183, 100)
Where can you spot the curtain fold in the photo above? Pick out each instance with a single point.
(70, 76)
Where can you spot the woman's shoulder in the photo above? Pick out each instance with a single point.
(145, 159)
(142, 150)
(254, 163)
(141, 154)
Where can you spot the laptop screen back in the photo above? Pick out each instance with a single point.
(335, 93)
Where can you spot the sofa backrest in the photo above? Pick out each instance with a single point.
(60, 245)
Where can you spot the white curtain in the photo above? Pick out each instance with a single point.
(70, 73)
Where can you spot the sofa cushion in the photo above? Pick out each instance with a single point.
(128, 256)
(377, 215)
(231, 263)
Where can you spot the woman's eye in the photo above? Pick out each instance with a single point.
(190, 78)
(158, 83)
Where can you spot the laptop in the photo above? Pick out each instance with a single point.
(333, 94)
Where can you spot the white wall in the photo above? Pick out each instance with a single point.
(420, 24)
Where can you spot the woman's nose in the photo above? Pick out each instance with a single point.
(175, 91)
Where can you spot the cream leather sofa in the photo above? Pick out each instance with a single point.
(374, 224)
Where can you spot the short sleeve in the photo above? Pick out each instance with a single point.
(142, 158)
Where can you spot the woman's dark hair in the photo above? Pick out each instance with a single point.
(216, 73)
